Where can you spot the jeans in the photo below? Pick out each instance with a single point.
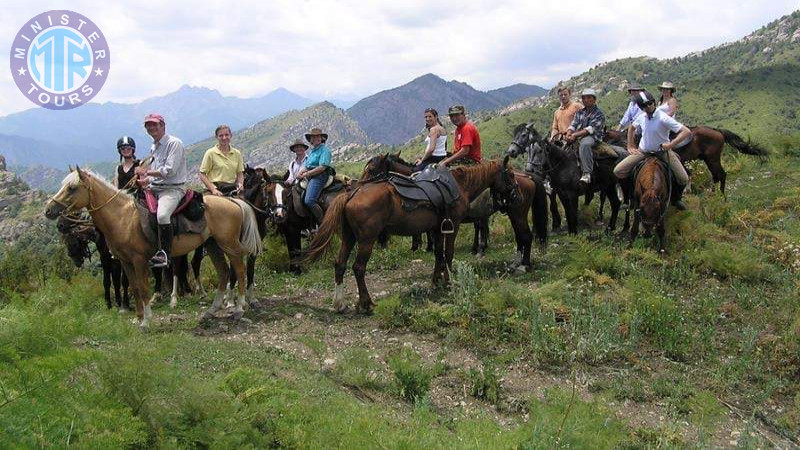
(315, 186)
(585, 153)
(430, 160)
(168, 201)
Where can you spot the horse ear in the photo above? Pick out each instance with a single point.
(397, 154)
(70, 167)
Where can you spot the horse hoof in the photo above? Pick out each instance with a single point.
(255, 304)
(236, 316)
(365, 310)
(521, 270)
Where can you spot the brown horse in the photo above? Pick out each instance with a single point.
(518, 209)
(231, 224)
(375, 208)
(706, 145)
(651, 192)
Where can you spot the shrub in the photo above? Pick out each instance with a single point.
(411, 375)
(485, 383)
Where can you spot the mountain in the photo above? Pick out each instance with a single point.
(266, 143)
(89, 133)
(396, 115)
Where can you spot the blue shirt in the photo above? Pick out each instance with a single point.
(319, 156)
(630, 115)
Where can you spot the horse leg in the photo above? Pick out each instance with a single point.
(484, 238)
(116, 268)
(429, 239)
(554, 211)
(476, 238)
(611, 193)
(157, 276)
(221, 266)
(251, 275)
(635, 226)
(524, 237)
(106, 264)
(293, 243)
(230, 295)
(137, 273)
(449, 250)
(439, 261)
(340, 267)
(126, 302)
(718, 174)
(661, 231)
(197, 260)
(416, 240)
(237, 263)
(365, 303)
(570, 202)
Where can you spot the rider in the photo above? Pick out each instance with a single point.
(655, 126)
(467, 140)
(296, 164)
(126, 170)
(588, 126)
(167, 176)
(435, 142)
(222, 166)
(563, 115)
(668, 103)
(633, 110)
(316, 171)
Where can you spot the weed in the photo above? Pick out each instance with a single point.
(412, 375)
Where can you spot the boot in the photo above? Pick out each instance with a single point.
(161, 258)
(317, 212)
(677, 196)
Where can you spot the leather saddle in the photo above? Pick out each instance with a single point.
(188, 217)
(435, 186)
(333, 185)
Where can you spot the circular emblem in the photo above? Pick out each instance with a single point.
(60, 59)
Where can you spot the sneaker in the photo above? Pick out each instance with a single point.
(547, 188)
(159, 259)
(586, 178)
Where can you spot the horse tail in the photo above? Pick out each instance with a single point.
(540, 214)
(749, 148)
(249, 237)
(331, 225)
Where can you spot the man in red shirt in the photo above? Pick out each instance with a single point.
(467, 140)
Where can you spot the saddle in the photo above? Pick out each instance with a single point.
(436, 188)
(333, 185)
(188, 217)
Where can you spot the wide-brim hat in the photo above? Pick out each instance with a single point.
(667, 85)
(296, 143)
(634, 87)
(589, 92)
(316, 132)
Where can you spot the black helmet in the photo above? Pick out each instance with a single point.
(643, 98)
(126, 141)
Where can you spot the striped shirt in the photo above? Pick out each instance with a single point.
(592, 120)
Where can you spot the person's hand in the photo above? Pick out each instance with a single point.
(667, 146)
(216, 192)
(633, 150)
(570, 138)
(140, 171)
(301, 174)
(143, 181)
(417, 161)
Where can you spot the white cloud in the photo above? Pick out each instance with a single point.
(350, 49)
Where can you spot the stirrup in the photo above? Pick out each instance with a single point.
(444, 228)
(160, 259)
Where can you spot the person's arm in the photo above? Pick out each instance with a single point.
(683, 134)
(457, 155)
(673, 107)
(208, 184)
(632, 140)
(554, 126)
(626, 119)
(240, 181)
(433, 135)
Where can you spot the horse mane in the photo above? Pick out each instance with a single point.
(396, 159)
(478, 175)
(73, 179)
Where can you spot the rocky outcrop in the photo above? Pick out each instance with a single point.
(21, 208)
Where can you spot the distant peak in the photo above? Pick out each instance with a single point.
(429, 77)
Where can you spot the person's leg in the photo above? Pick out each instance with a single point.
(168, 200)
(587, 160)
(681, 179)
(315, 186)
(624, 167)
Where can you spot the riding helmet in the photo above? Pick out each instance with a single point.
(126, 141)
(643, 98)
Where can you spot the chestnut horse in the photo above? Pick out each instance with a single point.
(231, 223)
(518, 210)
(651, 198)
(374, 208)
(706, 145)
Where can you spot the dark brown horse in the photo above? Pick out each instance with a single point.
(651, 198)
(374, 208)
(706, 145)
(518, 210)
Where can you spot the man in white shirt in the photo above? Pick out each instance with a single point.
(296, 164)
(633, 110)
(655, 126)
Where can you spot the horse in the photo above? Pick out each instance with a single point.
(706, 145)
(562, 166)
(230, 222)
(651, 198)
(374, 208)
(379, 167)
(281, 209)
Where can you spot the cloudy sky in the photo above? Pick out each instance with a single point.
(351, 49)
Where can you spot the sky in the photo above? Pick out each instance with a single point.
(351, 49)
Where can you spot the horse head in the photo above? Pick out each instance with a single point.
(524, 134)
(73, 195)
(653, 197)
(276, 198)
(375, 168)
(505, 189)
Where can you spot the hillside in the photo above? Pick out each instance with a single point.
(266, 143)
(395, 115)
(20, 207)
(89, 133)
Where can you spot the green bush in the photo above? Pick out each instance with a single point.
(412, 375)
(485, 383)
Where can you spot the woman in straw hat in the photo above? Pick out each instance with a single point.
(316, 170)
(668, 103)
(296, 164)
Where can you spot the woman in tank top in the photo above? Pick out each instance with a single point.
(126, 147)
(435, 142)
(667, 102)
